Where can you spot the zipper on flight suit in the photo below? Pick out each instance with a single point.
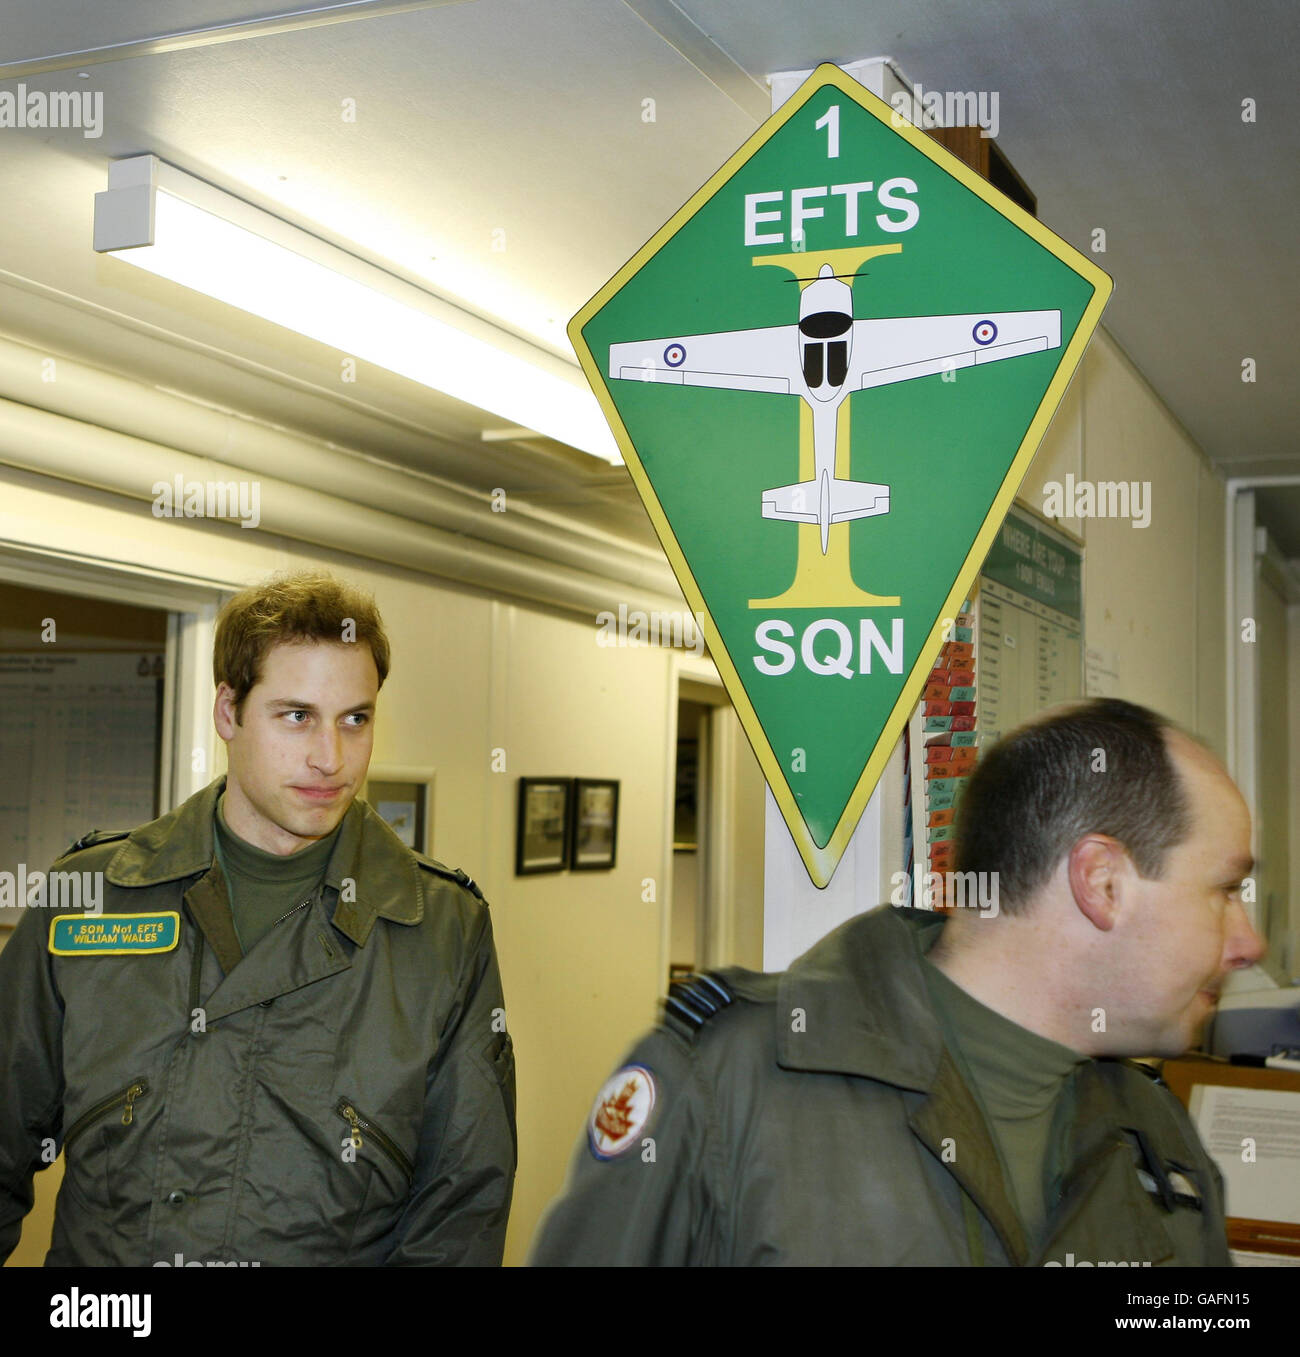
(294, 910)
(196, 966)
(127, 1096)
(356, 1121)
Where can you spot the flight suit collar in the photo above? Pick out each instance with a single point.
(300, 953)
(870, 1013)
(866, 1011)
(370, 872)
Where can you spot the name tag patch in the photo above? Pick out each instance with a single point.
(114, 934)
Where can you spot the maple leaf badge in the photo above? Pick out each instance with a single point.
(621, 1111)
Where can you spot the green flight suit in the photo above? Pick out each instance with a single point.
(344, 1094)
(816, 1116)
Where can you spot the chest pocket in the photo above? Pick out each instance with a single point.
(102, 1146)
(374, 1155)
(1109, 1220)
(1177, 1191)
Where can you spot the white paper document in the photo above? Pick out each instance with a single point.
(1253, 1135)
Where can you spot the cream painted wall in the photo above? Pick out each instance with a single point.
(1155, 595)
(581, 952)
(1211, 722)
(1275, 758)
(1142, 584)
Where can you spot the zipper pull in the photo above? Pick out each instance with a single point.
(350, 1113)
(131, 1095)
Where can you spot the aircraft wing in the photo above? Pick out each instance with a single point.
(896, 350)
(734, 360)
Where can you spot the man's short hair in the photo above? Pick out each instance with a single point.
(1096, 767)
(310, 605)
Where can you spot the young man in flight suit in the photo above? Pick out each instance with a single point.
(947, 1088)
(283, 1040)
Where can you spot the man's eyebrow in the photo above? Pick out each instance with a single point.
(293, 704)
(1242, 866)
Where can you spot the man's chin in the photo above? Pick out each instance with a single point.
(1170, 1044)
(317, 822)
(1189, 1034)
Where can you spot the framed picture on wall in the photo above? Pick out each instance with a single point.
(542, 832)
(402, 796)
(595, 824)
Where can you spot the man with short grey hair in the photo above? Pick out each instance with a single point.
(950, 1088)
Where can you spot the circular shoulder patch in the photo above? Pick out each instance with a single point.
(622, 1108)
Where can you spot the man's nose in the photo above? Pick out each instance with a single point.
(327, 750)
(1243, 945)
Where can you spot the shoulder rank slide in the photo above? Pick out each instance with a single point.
(96, 836)
(451, 874)
(693, 1001)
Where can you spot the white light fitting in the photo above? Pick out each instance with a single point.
(171, 224)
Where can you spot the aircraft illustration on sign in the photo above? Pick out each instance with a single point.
(824, 358)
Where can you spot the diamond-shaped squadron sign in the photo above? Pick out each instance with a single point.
(828, 374)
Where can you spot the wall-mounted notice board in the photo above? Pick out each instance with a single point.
(1015, 649)
(80, 748)
(1030, 624)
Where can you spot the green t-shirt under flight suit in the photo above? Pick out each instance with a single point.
(1020, 1081)
(264, 887)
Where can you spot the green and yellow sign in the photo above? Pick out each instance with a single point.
(828, 374)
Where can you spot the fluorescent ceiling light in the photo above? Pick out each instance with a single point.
(176, 226)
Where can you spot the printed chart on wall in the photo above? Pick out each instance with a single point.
(1015, 649)
(79, 743)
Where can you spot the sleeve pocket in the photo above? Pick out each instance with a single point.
(497, 1057)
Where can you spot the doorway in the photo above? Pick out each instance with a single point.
(691, 842)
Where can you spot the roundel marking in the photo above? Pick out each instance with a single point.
(621, 1110)
(675, 355)
(985, 332)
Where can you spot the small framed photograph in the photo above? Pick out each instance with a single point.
(542, 835)
(402, 796)
(595, 824)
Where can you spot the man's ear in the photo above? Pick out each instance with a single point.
(223, 712)
(1096, 869)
